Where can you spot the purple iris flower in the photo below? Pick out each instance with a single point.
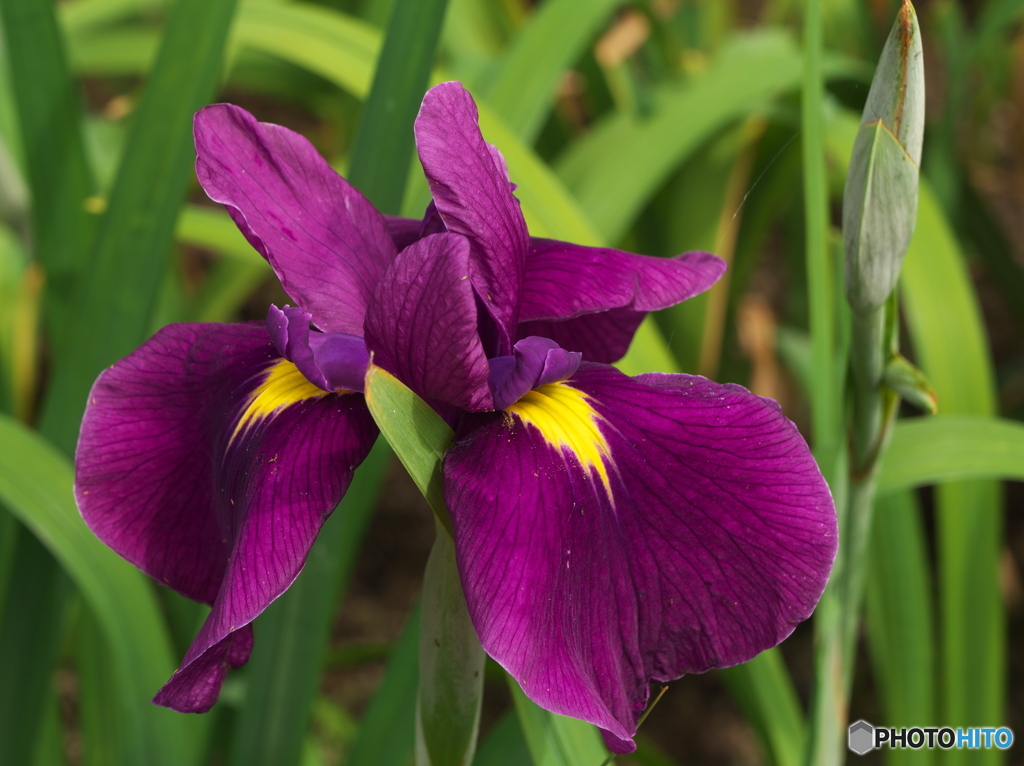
(609, 531)
(211, 456)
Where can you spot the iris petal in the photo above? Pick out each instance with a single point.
(469, 182)
(422, 324)
(713, 537)
(210, 464)
(328, 245)
(571, 282)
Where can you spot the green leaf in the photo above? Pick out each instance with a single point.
(948, 334)
(523, 89)
(58, 173)
(213, 229)
(505, 745)
(386, 731)
(85, 15)
(769, 701)
(901, 621)
(556, 740)
(830, 693)
(414, 431)
(951, 448)
(451, 664)
(31, 633)
(384, 140)
(35, 484)
(114, 53)
(114, 298)
(341, 49)
(619, 164)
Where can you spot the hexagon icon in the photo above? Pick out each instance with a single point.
(861, 737)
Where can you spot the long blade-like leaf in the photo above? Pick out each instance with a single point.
(35, 484)
(952, 448)
(384, 140)
(948, 333)
(555, 740)
(114, 298)
(900, 620)
(522, 91)
(50, 121)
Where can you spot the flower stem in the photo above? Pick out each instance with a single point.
(838, 616)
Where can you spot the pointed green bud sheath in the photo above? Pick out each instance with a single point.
(880, 200)
(910, 383)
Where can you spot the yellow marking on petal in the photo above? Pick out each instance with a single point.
(566, 420)
(282, 385)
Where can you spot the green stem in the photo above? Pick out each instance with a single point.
(838, 615)
(827, 706)
(867, 362)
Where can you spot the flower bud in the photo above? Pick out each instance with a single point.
(880, 200)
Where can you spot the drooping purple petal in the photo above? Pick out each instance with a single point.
(422, 324)
(334, 361)
(196, 686)
(534, 362)
(692, 532)
(210, 463)
(604, 293)
(469, 182)
(328, 245)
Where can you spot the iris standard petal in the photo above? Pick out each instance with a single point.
(422, 324)
(210, 463)
(471, 189)
(328, 245)
(613, 531)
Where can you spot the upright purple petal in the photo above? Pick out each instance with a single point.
(565, 282)
(210, 463)
(611, 532)
(469, 182)
(422, 324)
(328, 245)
